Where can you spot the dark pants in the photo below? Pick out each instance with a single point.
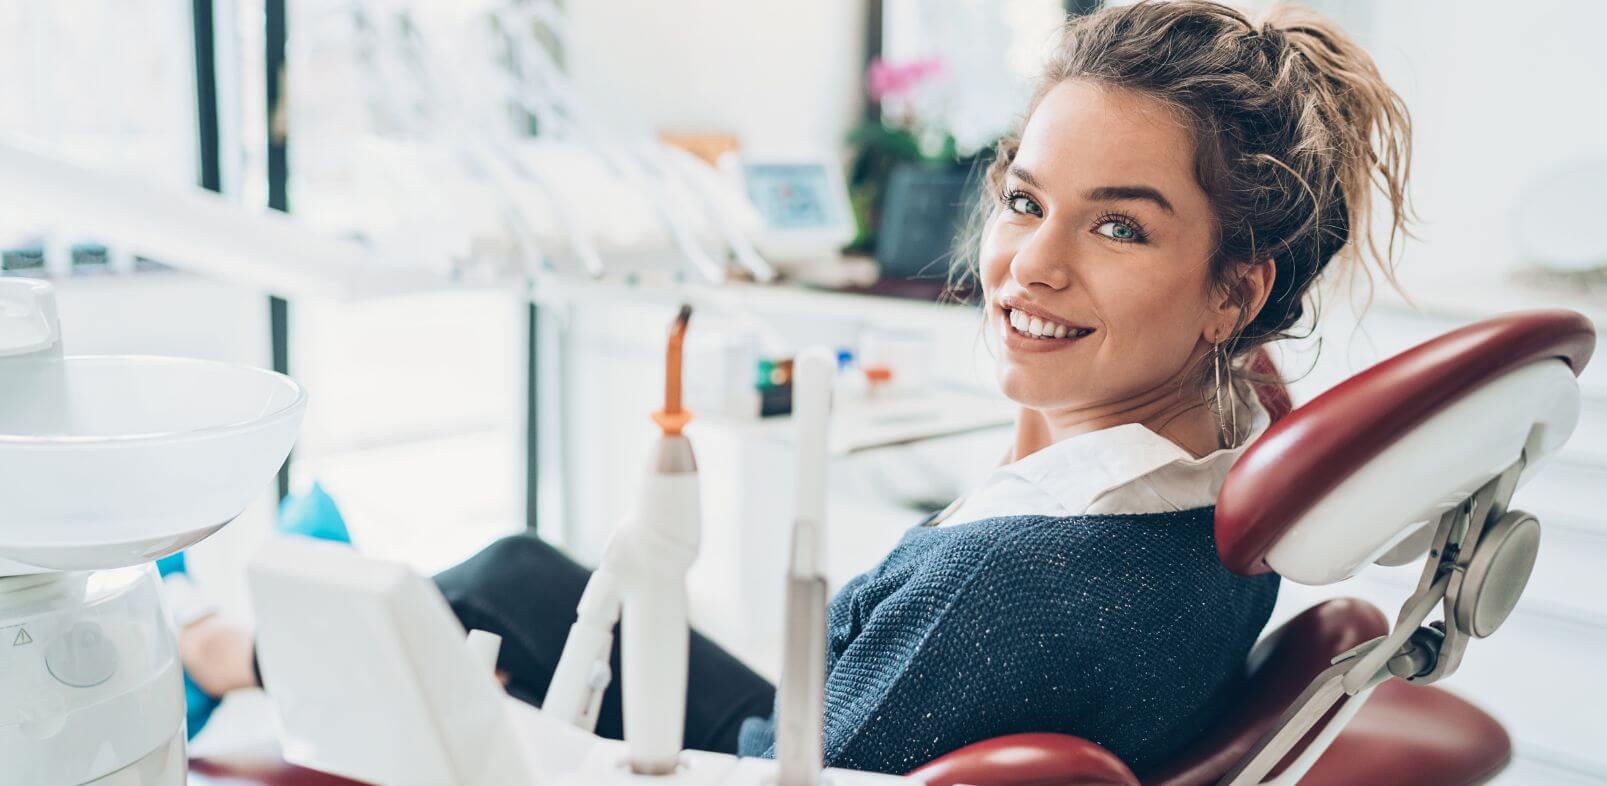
(526, 591)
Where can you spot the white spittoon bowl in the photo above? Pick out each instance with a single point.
(107, 462)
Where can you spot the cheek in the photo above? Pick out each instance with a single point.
(1158, 317)
(998, 248)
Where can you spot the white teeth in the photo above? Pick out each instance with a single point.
(1038, 327)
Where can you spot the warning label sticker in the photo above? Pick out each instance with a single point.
(21, 639)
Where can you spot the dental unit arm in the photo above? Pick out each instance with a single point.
(642, 583)
(643, 579)
(325, 613)
(799, 733)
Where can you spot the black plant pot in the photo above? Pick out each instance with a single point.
(923, 213)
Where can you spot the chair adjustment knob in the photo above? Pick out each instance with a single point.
(1419, 654)
(1497, 574)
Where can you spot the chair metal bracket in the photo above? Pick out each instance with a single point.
(1411, 651)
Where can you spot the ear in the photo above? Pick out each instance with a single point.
(1238, 303)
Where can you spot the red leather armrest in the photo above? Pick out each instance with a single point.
(1028, 760)
(255, 770)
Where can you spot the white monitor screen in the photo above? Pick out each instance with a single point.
(793, 196)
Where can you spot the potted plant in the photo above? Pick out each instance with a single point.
(911, 185)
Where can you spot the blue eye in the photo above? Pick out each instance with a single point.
(1120, 230)
(1017, 202)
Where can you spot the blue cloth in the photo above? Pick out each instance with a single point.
(198, 707)
(314, 515)
(172, 563)
(1124, 630)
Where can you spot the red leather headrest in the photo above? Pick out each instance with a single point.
(1308, 453)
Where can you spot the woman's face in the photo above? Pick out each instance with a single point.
(1096, 266)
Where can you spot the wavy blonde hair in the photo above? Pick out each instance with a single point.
(1294, 129)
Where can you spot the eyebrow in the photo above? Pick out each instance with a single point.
(1131, 192)
(1104, 192)
(1025, 177)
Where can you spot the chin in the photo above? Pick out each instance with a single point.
(1029, 390)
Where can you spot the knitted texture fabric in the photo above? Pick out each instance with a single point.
(1124, 630)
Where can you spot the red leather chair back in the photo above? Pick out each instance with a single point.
(1281, 666)
(1279, 669)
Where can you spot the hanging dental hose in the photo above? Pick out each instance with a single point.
(799, 736)
(641, 583)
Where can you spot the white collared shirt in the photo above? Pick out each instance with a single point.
(1122, 469)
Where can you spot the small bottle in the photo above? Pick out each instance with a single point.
(850, 384)
(878, 379)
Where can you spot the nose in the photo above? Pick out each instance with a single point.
(1045, 259)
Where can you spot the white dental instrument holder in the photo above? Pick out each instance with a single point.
(642, 583)
(107, 463)
(800, 725)
(643, 579)
(651, 555)
(374, 678)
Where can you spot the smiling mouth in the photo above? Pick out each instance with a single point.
(1039, 328)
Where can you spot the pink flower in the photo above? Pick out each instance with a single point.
(891, 80)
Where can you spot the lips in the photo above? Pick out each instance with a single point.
(1032, 323)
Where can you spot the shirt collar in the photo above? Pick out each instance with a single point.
(1078, 470)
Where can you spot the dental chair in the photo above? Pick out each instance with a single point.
(1418, 455)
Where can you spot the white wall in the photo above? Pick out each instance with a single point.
(1500, 93)
(109, 85)
(415, 419)
(778, 73)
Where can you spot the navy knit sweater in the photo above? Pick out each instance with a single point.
(1124, 630)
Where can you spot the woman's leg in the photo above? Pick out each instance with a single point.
(526, 591)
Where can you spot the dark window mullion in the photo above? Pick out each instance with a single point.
(278, 184)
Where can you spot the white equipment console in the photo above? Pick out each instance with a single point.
(108, 463)
(374, 679)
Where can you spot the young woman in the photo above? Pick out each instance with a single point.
(1181, 178)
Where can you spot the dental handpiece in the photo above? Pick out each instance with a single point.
(801, 718)
(642, 579)
(657, 545)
